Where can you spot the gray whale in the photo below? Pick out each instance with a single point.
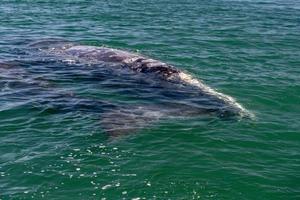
(138, 116)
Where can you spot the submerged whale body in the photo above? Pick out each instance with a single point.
(172, 83)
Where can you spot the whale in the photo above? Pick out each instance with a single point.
(180, 93)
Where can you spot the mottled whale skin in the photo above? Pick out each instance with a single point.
(143, 64)
(182, 94)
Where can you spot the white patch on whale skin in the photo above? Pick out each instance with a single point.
(186, 78)
(130, 60)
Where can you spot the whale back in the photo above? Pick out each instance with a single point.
(203, 98)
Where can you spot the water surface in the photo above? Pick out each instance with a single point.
(51, 142)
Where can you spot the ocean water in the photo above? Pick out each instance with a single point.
(52, 145)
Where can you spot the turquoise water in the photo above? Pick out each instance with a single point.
(51, 142)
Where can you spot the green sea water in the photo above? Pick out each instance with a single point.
(248, 49)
